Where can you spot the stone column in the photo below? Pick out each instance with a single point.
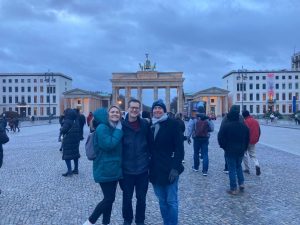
(155, 92)
(127, 96)
(140, 96)
(208, 105)
(219, 106)
(226, 103)
(179, 99)
(168, 98)
(115, 95)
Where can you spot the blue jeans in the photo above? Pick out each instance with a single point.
(235, 170)
(168, 202)
(201, 144)
(68, 163)
(128, 184)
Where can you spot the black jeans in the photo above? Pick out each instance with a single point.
(105, 206)
(68, 162)
(140, 184)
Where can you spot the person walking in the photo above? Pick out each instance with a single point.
(254, 130)
(107, 169)
(200, 130)
(166, 162)
(81, 121)
(71, 140)
(233, 137)
(135, 163)
(3, 139)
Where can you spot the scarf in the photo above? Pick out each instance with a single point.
(156, 125)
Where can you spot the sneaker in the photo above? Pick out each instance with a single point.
(225, 171)
(195, 170)
(87, 223)
(242, 187)
(247, 171)
(232, 192)
(257, 170)
(204, 174)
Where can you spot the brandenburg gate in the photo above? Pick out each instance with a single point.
(148, 78)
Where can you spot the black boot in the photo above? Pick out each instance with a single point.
(67, 174)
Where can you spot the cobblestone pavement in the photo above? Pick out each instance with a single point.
(35, 193)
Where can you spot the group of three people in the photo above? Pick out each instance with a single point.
(133, 152)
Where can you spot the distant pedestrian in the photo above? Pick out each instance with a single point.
(254, 130)
(107, 169)
(3, 139)
(135, 163)
(89, 119)
(71, 140)
(82, 121)
(200, 129)
(166, 162)
(233, 137)
(233, 108)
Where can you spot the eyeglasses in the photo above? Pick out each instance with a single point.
(134, 108)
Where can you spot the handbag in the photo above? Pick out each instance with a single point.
(3, 137)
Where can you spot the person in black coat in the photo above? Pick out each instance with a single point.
(3, 139)
(233, 137)
(71, 140)
(166, 161)
(82, 121)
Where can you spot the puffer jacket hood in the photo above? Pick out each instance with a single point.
(70, 114)
(101, 116)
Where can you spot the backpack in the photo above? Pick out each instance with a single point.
(201, 128)
(90, 146)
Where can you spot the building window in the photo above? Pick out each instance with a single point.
(16, 89)
(41, 89)
(35, 89)
(4, 89)
(9, 80)
(54, 89)
(22, 89)
(257, 109)
(264, 108)
(264, 77)
(16, 80)
(290, 96)
(29, 111)
(257, 86)
(264, 96)
(34, 80)
(290, 108)
(41, 80)
(28, 89)
(9, 89)
(245, 97)
(29, 99)
(54, 99)
(283, 108)
(4, 99)
(296, 85)
(283, 86)
(237, 87)
(251, 108)
(297, 96)
(35, 99)
(41, 111)
(277, 77)
(250, 86)
(54, 111)
(277, 86)
(28, 81)
(264, 86)
(35, 111)
(277, 96)
(296, 77)
(22, 80)
(257, 97)
(10, 99)
(4, 109)
(48, 99)
(23, 98)
(41, 99)
(283, 96)
(283, 77)
(4, 81)
(251, 97)
(238, 97)
(250, 78)
(290, 77)
(257, 77)
(16, 99)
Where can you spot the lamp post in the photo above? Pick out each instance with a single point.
(242, 75)
(49, 77)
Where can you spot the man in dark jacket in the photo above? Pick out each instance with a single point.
(135, 163)
(166, 161)
(233, 137)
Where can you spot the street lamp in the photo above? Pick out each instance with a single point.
(49, 77)
(242, 75)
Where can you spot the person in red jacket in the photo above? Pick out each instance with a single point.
(254, 130)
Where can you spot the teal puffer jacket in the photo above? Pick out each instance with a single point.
(107, 166)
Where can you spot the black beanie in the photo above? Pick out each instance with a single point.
(246, 113)
(159, 103)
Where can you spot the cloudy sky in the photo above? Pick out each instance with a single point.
(89, 40)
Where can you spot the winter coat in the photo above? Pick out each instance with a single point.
(2, 129)
(107, 165)
(71, 136)
(166, 152)
(254, 129)
(136, 148)
(233, 137)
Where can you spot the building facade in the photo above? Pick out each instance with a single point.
(296, 61)
(86, 101)
(263, 91)
(33, 94)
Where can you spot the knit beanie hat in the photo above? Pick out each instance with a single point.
(235, 108)
(245, 113)
(159, 103)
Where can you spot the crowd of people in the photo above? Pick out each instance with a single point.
(140, 149)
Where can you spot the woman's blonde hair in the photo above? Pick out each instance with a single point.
(114, 106)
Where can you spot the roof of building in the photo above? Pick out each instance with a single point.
(78, 91)
(259, 71)
(37, 74)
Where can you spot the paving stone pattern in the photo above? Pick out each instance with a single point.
(35, 193)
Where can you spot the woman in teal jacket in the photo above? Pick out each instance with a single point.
(107, 166)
